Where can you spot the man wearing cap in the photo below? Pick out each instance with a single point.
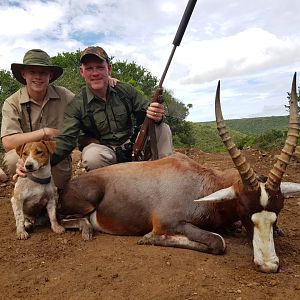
(104, 114)
(35, 111)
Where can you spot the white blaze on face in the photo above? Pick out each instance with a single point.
(264, 198)
(265, 257)
(32, 160)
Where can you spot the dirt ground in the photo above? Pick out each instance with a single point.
(50, 266)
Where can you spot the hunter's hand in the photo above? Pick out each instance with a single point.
(155, 111)
(112, 81)
(20, 170)
(49, 133)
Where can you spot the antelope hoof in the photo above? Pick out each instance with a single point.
(87, 234)
(86, 230)
(147, 239)
(217, 245)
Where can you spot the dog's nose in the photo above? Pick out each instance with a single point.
(29, 166)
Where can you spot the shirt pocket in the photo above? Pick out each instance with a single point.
(101, 122)
(120, 118)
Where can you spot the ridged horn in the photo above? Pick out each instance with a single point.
(279, 168)
(246, 172)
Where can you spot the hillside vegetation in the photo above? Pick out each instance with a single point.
(263, 133)
(256, 126)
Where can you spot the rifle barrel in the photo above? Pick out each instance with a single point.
(178, 37)
(148, 123)
(166, 68)
(184, 21)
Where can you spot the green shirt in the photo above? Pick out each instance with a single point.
(111, 118)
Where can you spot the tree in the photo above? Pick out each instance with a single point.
(8, 86)
(130, 72)
(71, 78)
(67, 60)
(136, 75)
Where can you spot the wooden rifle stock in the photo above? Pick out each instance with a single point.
(148, 127)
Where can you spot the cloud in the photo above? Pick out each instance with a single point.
(252, 50)
(242, 43)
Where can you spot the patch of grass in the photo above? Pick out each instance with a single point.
(257, 126)
(208, 140)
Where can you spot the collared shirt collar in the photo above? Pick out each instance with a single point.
(51, 94)
(91, 96)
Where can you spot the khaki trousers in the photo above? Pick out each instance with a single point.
(97, 156)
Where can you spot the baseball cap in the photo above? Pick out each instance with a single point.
(96, 51)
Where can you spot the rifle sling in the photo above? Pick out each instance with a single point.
(90, 114)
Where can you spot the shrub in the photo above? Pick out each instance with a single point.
(270, 139)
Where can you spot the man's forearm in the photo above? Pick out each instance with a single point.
(12, 141)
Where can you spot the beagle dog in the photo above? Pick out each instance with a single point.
(35, 192)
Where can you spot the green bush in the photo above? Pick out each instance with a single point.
(270, 139)
(245, 141)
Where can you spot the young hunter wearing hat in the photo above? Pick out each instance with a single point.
(104, 114)
(35, 111)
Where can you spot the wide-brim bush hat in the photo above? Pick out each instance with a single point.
(33, 58)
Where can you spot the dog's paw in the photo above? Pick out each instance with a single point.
(58, 228)
(22, 235)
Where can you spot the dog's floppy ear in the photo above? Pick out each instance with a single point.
(50, 145)
(19, 149)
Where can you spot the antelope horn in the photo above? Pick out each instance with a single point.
(246, 172)
(279, 168)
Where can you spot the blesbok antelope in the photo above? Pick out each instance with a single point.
(156, 199)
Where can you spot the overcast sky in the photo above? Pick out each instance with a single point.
(253, 47)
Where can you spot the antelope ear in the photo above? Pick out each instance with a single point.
(289, 188)
(220, 195)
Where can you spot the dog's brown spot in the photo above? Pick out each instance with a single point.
(50, 145)
(38, 151)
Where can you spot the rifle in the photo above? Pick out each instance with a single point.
(147, 130)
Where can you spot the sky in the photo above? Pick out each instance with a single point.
(252, 47)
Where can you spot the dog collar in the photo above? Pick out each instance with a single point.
(39, 180)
